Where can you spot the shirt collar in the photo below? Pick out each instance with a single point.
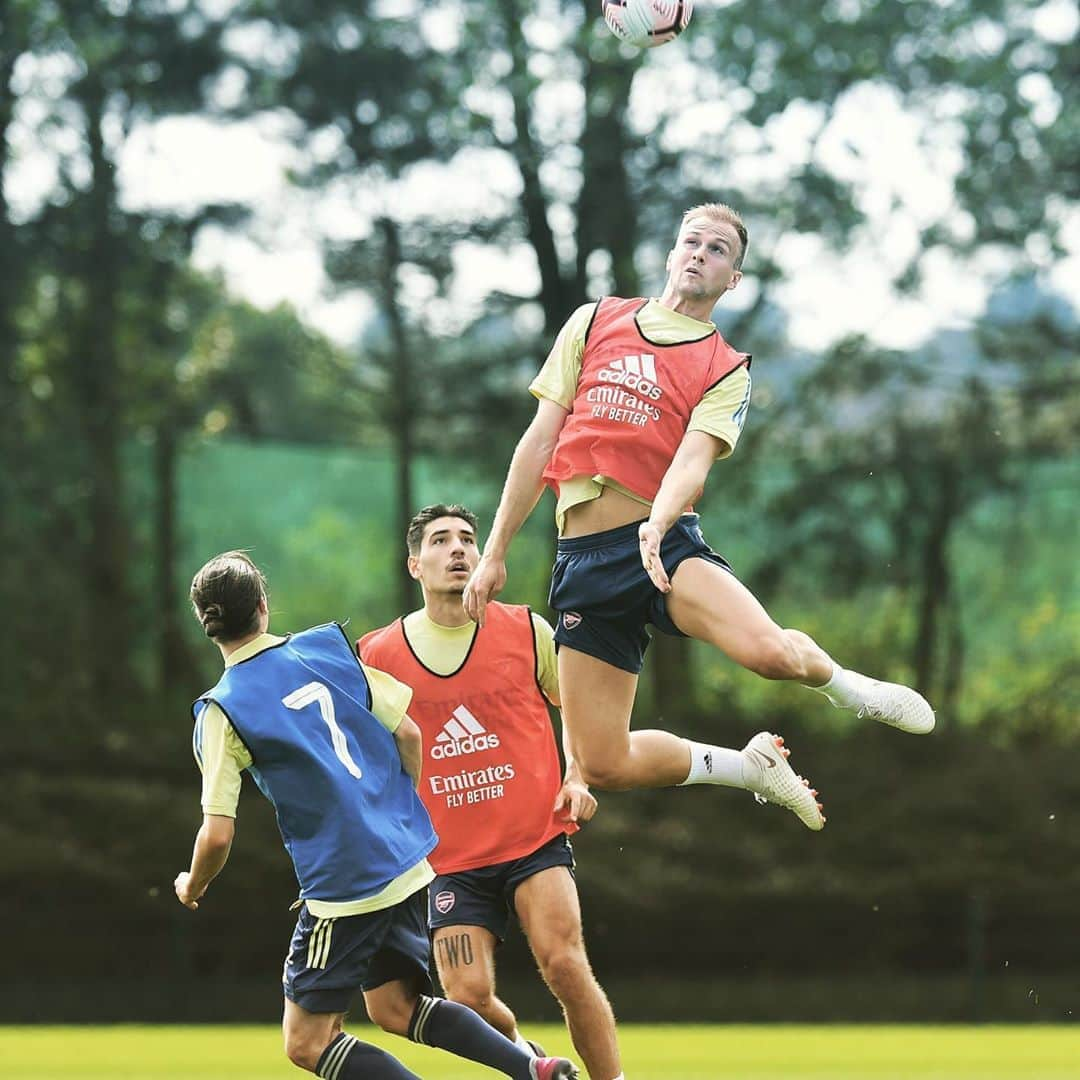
(252, 648)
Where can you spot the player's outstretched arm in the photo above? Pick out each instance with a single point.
(523, 487)
(410, 747)
(213, 843)
(682, 484)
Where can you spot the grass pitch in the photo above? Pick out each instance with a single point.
(649, 1053)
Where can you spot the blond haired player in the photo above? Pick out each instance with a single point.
(636, 401)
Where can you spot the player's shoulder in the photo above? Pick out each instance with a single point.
(369, 643)
(582, 316)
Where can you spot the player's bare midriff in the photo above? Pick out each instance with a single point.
(608, 511)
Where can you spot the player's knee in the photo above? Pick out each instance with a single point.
(607, 771)
(565, 970)
(302, 1050)
(777, 657)
(392, 1016)
(473, 996)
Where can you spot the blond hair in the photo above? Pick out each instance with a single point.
(721, 212)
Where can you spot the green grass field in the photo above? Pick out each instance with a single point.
(650, 1053)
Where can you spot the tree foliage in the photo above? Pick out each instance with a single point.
(496, 164)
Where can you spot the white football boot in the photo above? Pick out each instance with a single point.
(768, 775)
(890, 703)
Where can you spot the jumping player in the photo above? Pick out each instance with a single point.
(637, 399)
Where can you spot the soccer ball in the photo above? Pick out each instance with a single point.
(647, 23)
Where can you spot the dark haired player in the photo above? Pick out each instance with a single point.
(328, 743)
(494, 789)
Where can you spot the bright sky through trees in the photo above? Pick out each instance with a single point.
(901, 164)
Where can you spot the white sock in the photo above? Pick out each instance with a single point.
(846, 689)
(714, 765)
(521, 1044)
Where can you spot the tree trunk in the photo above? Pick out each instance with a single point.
(955, 655)
(673, 689)
(96, 377)
(604, 219)
(936, 583)
(176, 666)
(404, 410)
(555, 297)
(11, 407)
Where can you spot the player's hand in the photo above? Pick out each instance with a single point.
(575, 802)
(485, 584)
(649, 537)
(184, 892)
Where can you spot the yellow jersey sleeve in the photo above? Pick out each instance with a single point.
(547, 668)
(722, 411)
(558, 378)
(389, 697)
(222, 757)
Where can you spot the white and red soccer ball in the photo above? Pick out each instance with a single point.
(647, 23)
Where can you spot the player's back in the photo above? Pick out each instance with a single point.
(347, 810)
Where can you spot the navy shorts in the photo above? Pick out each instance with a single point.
(605, 598)
(330, 959)
(485, 896)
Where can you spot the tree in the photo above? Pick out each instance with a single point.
(378, 97)
(895, 450)
(118, 70)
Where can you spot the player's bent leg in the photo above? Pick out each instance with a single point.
(316, 1042)
(307, 1034)
(709, 603)
(596, 702)
(550, 914)
(391, 1006)
(465, 960)
(437, 1022)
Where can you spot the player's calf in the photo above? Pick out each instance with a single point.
(452, 1027)
(347, 1058)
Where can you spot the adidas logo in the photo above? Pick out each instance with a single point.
(462, 734)
(637, 373)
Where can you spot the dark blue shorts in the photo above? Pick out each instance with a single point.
(330, 959)
(485, 897)
(605, 598)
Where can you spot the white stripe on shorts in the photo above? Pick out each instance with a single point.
(319, 943)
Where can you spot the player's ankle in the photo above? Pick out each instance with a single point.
(714, 765)
(845, 689)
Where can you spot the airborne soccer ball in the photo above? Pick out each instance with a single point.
(647, 23)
